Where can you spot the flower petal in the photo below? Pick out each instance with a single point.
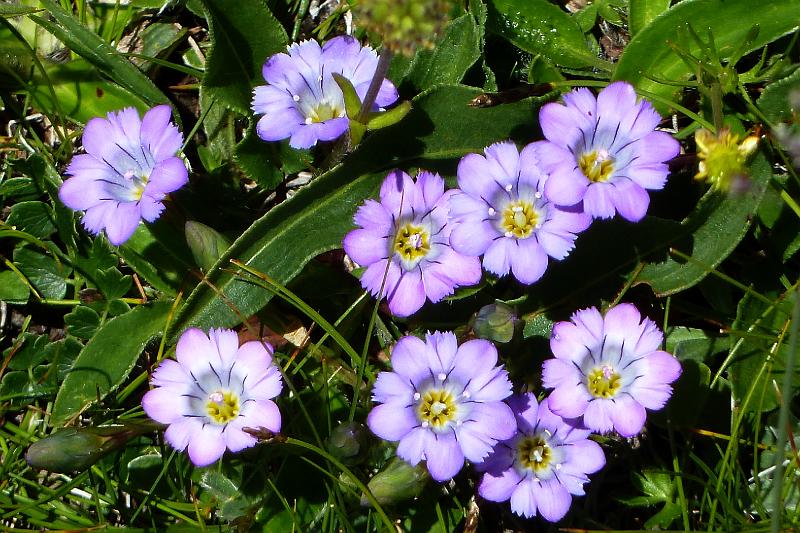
(391, 422)
(206, 445)
(443, 457)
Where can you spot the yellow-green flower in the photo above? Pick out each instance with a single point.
(723, 159)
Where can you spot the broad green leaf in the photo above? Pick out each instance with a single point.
(642, 12)
(455, 52)
(649, 56)
(696, 344)
(774, 101)
(108, 358)
(45, 273)
(241, 41)
(48, 181)
(13, 290)
(260, 160)
(711, 232)
(80, 92)
(760, 358)
(82, 322)
(539, 27)
(159, 254)
(440, 126)
(99, 53)
(35, 218)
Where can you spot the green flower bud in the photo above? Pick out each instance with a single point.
(77, 449)
(346, 440)
(404, 25)
(495, 322)
(397, 482)
(207, 244)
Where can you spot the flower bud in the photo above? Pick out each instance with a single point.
(77, 449)
(723, 159)
(207, 244)
(495, 322)
(397, 482)
(346, 440)
(403, 25)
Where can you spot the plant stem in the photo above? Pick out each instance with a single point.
(384, 60)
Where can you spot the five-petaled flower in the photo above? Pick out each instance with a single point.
(213, 391)
(500, 212)
(443, 402)
(303, 102)
(404, 238)
(605, 151)
(128, 168)
(609, 369)
(543, 465)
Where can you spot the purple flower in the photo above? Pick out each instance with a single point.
(605, 151)
(443, 402)
(405, 238)
(212, 392)
(543, 465)
(609, 369)
(303, 101)
(500, 212)
(127, 170)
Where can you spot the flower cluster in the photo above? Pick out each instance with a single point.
(303, 102)
(212, 392)
(128, 168)
(515, 209)
(443, 403)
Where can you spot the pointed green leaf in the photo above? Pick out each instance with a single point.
(108, 358)
(648, 55)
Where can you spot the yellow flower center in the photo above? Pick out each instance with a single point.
(534, 453)
(436, 408)
(604, 382)
(412, 242)
(596, 165)
(323, 111)
(519, 219)
(222, 407)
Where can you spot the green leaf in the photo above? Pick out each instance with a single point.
(44, 272)
(260, 160)
(455, 52)
(158, 252)
(35, 218)
(539, 27)
(8, 10)
(99, 53)
(48, 181)
(441, 126)
(648, 55)
(760, 357)
(82, 322)
(242, 40)
(80, 92)
(711, 232)
(695, 344)
(642, 12)
(108, 358)
(13, 290)
(774, 101)
(112, 283)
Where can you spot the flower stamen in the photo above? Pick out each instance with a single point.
(604, 382)
(519, 219)
(597, 165)
(437, 408)
(222, 406)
